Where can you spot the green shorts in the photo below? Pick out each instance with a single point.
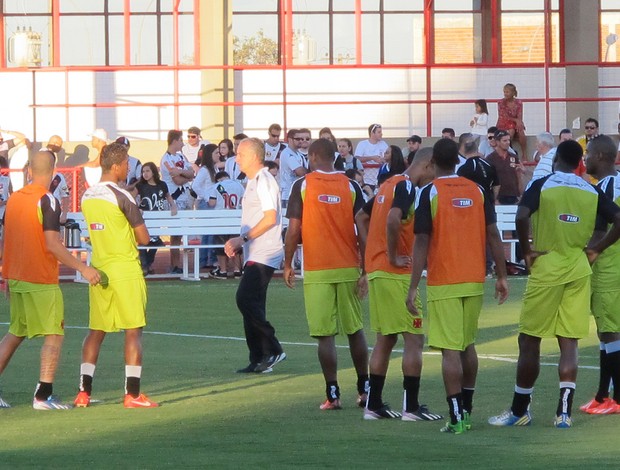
(388, 310)
(332, 308)
(36, 309)
(121, 305)
(606, 311)
(551, 311)
(453, 323)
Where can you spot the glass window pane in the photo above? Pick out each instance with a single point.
(610, 24)
(186, 40)
(404, 39)
(555, 37)
(115, 6)
(610, 5)
(28, 47)
(255, 5)
(343, 5)
(523, 37)
(457, 5)
(370, 5)
(310, 39)
(255, 39)
(144, 40)
(73, 6)
(314, 5)
(31, 6)
(184, 6)
(90, 49)
(456, 39)
(344, 39)
(117, 40)
(404, 5)
(143, 6)
(523, 5)
(371, 40)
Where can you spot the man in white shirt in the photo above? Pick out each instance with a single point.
(273, 146)
(176, 172)
(194, 141)
(292, 164)
(545, 148)
(135, 167)
(261, 242)
(372, 151)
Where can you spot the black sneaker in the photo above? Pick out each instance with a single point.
(238, 273)
(217, 274)
(385, 412)
(249, 369)
(176, 270)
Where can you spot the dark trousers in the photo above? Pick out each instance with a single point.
(260, 336)
(147, 257)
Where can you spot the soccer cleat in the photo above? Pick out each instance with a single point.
(362, 398)
(385, 412)
(52, 403)
(82, 400)
(467, 420)
(508, 419)
(421, 414)
(4, 404)
(458, 428)
(141, 401)
(606, 407)
(250, 368)
(267, 364)
(331, 405)
(563, 421)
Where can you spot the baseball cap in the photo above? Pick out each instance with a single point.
(100, 134)
(123, 140)
(415, 138)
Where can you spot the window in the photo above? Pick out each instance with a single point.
(610, 31)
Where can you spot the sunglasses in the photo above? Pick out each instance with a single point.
(275, 136)
(490, 137)
(190, 136)
(307, 139)
(590, 127)
(374, 127)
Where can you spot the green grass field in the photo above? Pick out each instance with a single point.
(212, 417)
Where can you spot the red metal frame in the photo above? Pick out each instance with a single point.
(127, 29)
(358, 32)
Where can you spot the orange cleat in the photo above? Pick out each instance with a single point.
(141, 401)
(82, 400)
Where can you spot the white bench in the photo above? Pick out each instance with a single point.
(506, 226)
(186, 224)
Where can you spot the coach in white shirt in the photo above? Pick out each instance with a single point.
(545, 147)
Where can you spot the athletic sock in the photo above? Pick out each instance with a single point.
(362, 384)
(521, 400)
(132, 380)
(375, 391)
(87, 372)
(455, 403)
(411, 385)
(604, 375)
(565, 403)
(468, 399)
(613, 361)
(43, 391)
(332, 391)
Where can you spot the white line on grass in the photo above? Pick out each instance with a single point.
(491, 357)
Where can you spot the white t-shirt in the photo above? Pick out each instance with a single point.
(92, 174)
(290, 160)
(367, 149)
(135, 170)
(191, 152)
(203, 183)
(262, 194)
(179, 193)
(61, 189)
(233, 170)
(227, 194)
(271, 152)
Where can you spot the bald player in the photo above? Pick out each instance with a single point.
(32, 250)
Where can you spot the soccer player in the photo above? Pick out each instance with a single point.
(453, 220)
(605, 300)
(115, 224)
(32, 250)
(385, 225)
(563, 209)
(321, 210)
(261, 243)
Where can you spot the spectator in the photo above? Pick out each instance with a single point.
(394, 162)
(135, 167)
(92, 168)
(305, 137)
(591, 131)
(372, 150)
(480, 121)
(194, 142)
(237, 138)
(358, 177)
(202, 186)
(17, 140)
(565, 134)
(545, 148)
(292, 165)
(177, 173)
(413, 145)
(152, 195)
(273, 168)
(231, 167)
(346, 160)
(58, 186)
(448, 133)
(510, 116)
(273, 146)
(508, 169)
